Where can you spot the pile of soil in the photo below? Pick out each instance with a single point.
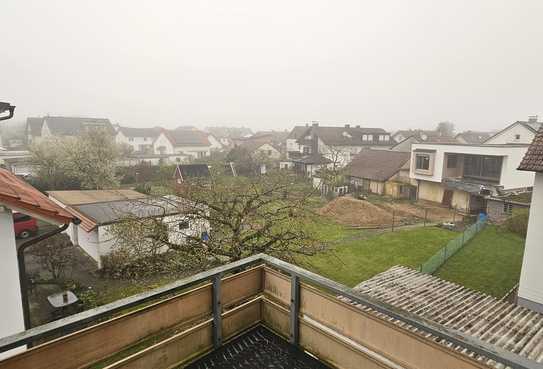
(356, 213)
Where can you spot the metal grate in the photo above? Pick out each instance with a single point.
(258, 349)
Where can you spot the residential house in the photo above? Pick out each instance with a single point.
(17, 161)
(463, 175)
(276, 139)
(520, 132)
(193, 143)
(43, 127)
(140, 140)
(422, 136)
(17, 195)
(530, 291)
(382, 172)
(472, 137)
(337, 144)
(99, 209)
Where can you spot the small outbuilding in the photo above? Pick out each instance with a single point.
(382, 172)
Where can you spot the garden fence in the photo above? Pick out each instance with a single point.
(440, 257)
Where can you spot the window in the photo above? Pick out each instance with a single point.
(451, 161)
(508, 208)
(184, 224)
(131, 139)
(483, 167)
(306, 150)
(387, 137)
(381, 138)
(364, 137)
(422, 162)
(370, 137)
(517, 137)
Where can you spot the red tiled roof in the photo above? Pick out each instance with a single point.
(19, 195)
(533, 159)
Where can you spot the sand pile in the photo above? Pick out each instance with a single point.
(357, 213)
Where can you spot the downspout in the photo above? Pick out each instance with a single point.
(22, 267)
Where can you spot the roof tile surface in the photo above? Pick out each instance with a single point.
(533, 159)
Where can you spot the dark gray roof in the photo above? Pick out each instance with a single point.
(533, 159)
(378, 165)
(140, 132)
(112, 211)
(344, 136)
(74, 126)
(187, 137)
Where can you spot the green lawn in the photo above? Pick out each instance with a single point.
(353, 261)
(490, 262)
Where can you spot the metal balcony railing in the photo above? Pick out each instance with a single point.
(177, 323)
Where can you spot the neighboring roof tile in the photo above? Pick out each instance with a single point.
(187, 137)
(474, 137)
(511, 327)
(140, 132)
(16, 193)
(74, 126)
(378, 165)
(533, 159)
(341, 136)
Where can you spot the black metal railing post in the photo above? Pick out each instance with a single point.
(217, 311)
(294, 309)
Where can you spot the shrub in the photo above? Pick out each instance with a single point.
(518, 222)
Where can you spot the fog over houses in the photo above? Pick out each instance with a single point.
(271, 185)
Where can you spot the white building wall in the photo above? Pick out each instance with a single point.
(292, 145)
(163, 141)
(509, 135)
(11, 309)
(266, 149)
(512, 155)
(135, 142)
(530, 291)
(88, 241)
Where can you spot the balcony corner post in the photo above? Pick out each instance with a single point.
(217, 311)
(294, 309)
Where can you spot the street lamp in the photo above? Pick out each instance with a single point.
(6, 107)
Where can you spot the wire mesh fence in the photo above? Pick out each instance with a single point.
(452, 247)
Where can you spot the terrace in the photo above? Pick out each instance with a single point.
(259, 312)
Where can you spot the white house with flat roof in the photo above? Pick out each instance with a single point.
(461, 175)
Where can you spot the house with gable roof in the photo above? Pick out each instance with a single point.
(191, 142)
(520, 132)
(320, 145)
(49, 126)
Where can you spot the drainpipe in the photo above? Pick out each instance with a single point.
(22, 267)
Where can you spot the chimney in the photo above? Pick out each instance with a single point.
(315, 124)
(347, 126)
(532, 119)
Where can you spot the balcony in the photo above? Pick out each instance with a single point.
(259, 311)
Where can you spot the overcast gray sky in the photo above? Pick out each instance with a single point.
(270, 64)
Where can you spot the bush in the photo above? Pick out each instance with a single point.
(518, 222)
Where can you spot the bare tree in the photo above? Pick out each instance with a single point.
(226, 219)
(55, 254)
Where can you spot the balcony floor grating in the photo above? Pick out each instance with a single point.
(258, 348)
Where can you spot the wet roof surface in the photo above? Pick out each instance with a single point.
(258, 348)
